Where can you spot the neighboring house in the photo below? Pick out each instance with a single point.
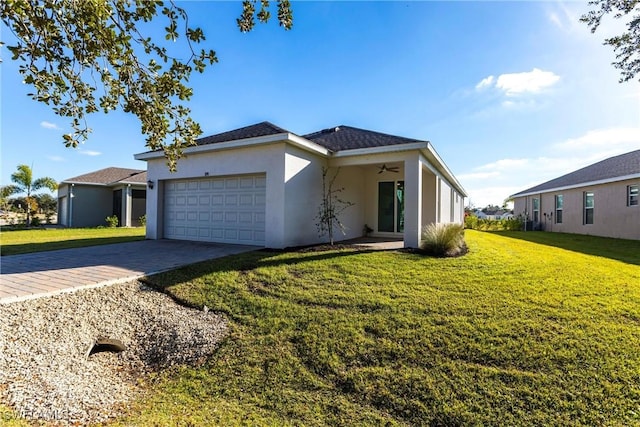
(506, 215)
(601, 199)
(480, 215)
(262, 185)
(86, 200)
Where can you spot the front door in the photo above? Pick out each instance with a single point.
(391, 206)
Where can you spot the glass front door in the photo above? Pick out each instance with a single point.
(391, 206)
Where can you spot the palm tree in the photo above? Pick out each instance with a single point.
(24, 183)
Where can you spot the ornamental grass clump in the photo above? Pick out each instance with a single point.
(443, 239)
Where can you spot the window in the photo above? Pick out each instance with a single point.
(633, 195)
(559, 202)
(536, 210)
(588, 207)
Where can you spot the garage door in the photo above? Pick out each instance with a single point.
(228, 209)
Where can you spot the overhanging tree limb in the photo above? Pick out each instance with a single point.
(83, 56)
(627, 45)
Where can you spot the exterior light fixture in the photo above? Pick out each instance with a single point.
(150, 184)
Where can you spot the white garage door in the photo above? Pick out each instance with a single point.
(228, 209)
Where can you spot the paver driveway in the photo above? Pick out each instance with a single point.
(43, 273)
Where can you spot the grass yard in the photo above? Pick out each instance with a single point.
(13, 242)
(517, 332)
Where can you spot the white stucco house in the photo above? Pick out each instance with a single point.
(262, 185)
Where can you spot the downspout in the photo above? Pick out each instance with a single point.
(71, 206)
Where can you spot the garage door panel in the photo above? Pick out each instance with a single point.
(217, 209)
(245, 217)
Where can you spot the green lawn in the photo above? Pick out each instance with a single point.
(13, 242)
(526, 329)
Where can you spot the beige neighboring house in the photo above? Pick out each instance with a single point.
(86, 200)
(602, 199)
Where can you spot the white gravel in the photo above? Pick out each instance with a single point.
(45, 373)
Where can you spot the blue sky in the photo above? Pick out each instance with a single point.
(511, 94)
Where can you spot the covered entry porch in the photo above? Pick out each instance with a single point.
(395, 195)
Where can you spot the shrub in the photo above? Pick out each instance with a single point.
(143, 220)
(471, 222)
(35, 221)
(510, 224)
(443, 239)
(112, 221)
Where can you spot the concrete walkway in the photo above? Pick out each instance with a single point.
(45, 273)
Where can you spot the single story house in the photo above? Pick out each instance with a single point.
(87, 200)
(601, 199)
(262, 185)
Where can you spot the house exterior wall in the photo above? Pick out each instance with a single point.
(268, 159)
(429, 198)
(303, 192)
(611, 216)
(89, 205)
(353, 180)
(446, 209)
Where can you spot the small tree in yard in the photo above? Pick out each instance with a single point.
(331, 207)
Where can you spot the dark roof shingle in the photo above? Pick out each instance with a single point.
(613, 167)
(350, 138)
(111, 175)
(253, 131)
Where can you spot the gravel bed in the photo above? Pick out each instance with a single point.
(47, 374)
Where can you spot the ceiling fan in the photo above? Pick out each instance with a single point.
(384, 168)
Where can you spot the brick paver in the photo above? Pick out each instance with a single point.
(45, 273)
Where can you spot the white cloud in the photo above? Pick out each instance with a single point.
(57, 158)
(49, 125)
(493, 182)
(516, 85)
(89, 152)
(504, 165)
(526, 82)
(478, 175)
(486, 82)
(565, 19)
(600, 142)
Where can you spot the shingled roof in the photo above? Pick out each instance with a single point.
(608, 169)
(253, 131)
(111, 176)
(335, 139)
(350, 138)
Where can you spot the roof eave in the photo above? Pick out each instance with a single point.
(101, 184)
(381, 150)
(578, 185)
(433, 155)
(243, 143)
